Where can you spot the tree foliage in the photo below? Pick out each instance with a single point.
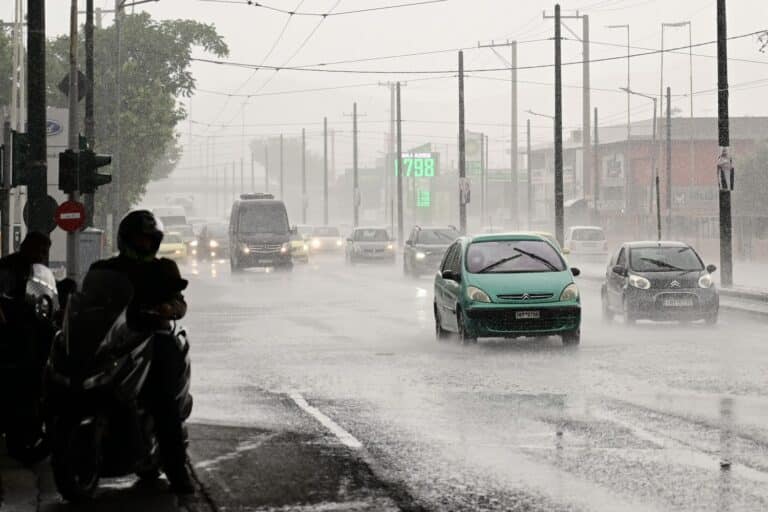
(155, 73)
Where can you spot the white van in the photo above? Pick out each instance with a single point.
(587, 241)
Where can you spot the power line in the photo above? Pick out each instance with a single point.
(479, 70)
(323, 15)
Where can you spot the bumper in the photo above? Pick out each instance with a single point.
(265, 260)
(493, 320)
(374, 257)
(686, 304)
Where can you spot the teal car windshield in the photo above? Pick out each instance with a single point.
(511, 256)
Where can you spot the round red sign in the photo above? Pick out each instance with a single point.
(70, 216)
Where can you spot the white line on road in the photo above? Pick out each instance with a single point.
(342, 435)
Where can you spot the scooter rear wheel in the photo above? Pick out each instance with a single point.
(76, 450)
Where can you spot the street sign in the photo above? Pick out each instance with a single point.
(47, 205)
(82, 85)
(70, 216)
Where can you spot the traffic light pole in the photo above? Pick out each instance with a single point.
(36, 111)
(90, 129)
(5, 192)
(73, 138)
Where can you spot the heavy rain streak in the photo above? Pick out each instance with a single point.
(420, 255)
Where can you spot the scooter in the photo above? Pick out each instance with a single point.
(99, 424)
(26, 332)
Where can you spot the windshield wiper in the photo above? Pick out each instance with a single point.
(539, 258)
(500, 262)
(663, 264)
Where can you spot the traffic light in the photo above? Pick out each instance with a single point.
(19, 158)
(90, 177)
(80, 171)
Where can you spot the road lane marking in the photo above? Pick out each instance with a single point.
(241, 448)
(342, 435)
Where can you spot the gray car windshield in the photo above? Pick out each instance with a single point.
(371, 235)
(263, 219)
(509, 256)
(664, 259)
(437, 236)
(326, 231)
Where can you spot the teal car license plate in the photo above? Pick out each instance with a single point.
(527, 315)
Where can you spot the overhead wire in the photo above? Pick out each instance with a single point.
(323, 15)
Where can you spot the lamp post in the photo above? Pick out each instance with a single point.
(653, 159)
(627, 158)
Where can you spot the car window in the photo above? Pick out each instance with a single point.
(588, 235)
(436, 236)
(215, 230)
(326, 231)
(449, 254)
(370, 235)
(508, 256)
(455, 263)
(622, 259)
(664, 259)
(263, 218)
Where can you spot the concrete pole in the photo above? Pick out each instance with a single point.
(325, 171)
(559, 211)
(462, 149)
(400, 227)
(73, 136)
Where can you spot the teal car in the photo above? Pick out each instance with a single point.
(506, 285)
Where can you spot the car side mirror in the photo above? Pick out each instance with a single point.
(620, 270)
(451, 275)
(575, 271)
(711, 268)
(409, 243)
(566, 251)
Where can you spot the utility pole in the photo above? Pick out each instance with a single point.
(304, 198)
(73, 136)
(36, 115)
(5, 198)
(596, 174)
(725, 161)
(513, 152)
(266, 167)
(529, 202)
(482, 179)
(355, 184)
(628, 150)
(116, 170)
(463, 183)
(242, 176)
(90, 129)
(656, 173)
(253, 172)
(669, 162)
(487, 167)
(559, 211)
(325, 171)
(586, 110)
(282, 170)
(400, 229)
(234, 178)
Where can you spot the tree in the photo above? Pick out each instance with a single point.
(155, 73)
(6, 63)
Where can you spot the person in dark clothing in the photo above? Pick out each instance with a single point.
(16, 268)
(156, 302)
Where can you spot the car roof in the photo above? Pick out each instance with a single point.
(500, 237)
(572, 228)
(258, 201)
(655, 243)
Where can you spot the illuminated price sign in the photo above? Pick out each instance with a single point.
(418, 165)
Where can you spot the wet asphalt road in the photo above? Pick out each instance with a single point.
(633, 419)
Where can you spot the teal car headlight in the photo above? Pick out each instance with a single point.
(477, 295)
(570, 293)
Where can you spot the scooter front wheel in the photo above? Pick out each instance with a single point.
(76, 450)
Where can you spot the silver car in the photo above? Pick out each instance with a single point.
(370, 245)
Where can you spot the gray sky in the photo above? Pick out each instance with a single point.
(251, 31)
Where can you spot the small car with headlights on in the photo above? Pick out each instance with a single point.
(371, 245)
(299, 245)
(659, 281)
(172, 247)
(425, 247)
(212, 242)
(506, 285)
(326, 239)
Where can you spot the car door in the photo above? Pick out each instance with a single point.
(452, 287)
(616, 282)
(446, 310)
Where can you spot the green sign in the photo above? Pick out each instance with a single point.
(423, 198)
(418, 165)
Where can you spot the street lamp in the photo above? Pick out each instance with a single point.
(627, 158)
(653, 157)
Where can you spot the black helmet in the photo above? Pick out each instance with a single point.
(139, 233)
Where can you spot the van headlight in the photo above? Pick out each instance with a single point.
(245, 249)
(706, 281)
(285, 248)
(570, 293)
(420, 255)
(639, 282)
(477, 295)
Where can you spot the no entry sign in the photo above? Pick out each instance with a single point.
(70, 216)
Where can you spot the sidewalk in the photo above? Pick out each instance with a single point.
(289, 463)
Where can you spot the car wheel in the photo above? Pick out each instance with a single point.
(630, 318)
(465, 337)
(440, 333)
(571, 338)
(607, 313)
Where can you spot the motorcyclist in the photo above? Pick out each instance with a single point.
(157, 300)
(16, 268)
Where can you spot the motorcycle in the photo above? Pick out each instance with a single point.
(99, 420)
(25, 340)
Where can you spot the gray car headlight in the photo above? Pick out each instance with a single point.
(706, 281)
(639, 282)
